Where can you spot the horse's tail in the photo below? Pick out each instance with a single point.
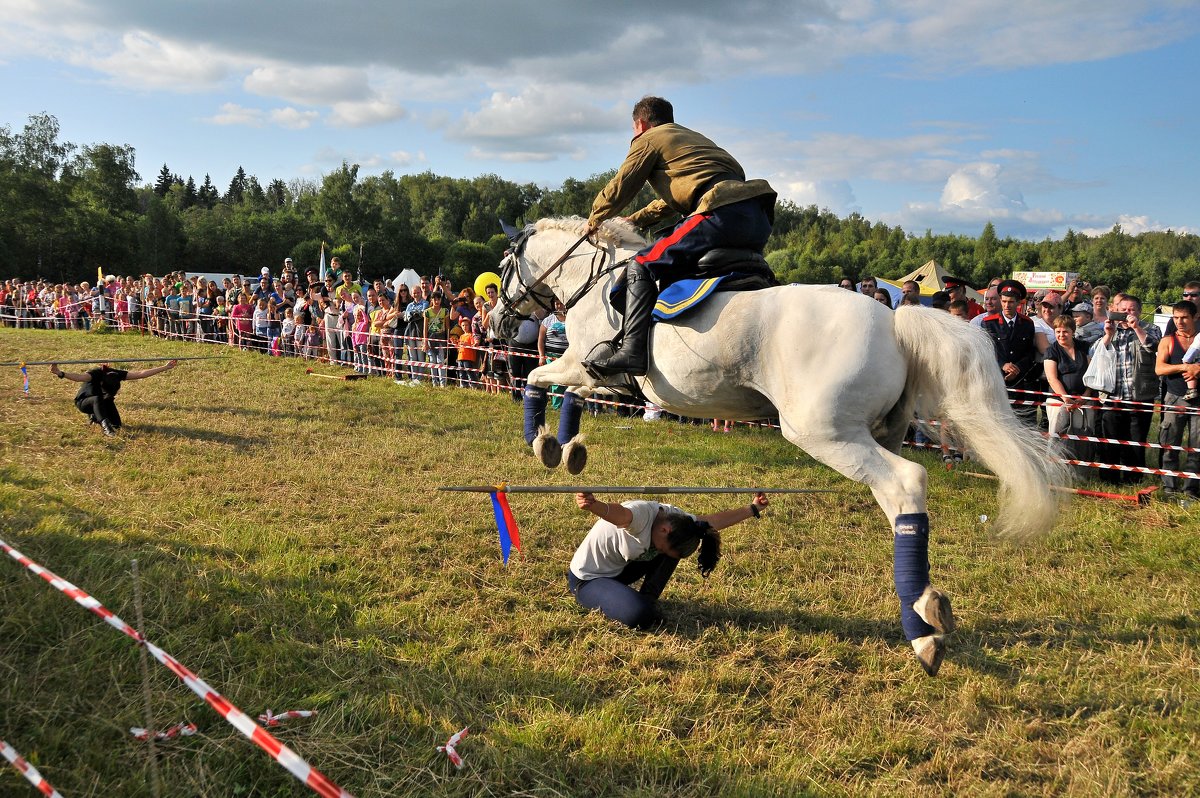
(953, 376)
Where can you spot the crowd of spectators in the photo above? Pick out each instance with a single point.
(430, 332)
(1045, 342)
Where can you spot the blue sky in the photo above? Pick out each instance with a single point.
(1034, 114)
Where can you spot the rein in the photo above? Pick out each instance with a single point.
(512, 265)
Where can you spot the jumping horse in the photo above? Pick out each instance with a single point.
(841, 372)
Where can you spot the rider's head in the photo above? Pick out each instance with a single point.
(651, 111)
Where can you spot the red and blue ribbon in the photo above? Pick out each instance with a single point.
(510, 536)
(25, 374)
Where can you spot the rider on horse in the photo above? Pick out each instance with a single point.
(695, 178)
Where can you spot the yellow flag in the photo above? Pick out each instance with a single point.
(99, 275)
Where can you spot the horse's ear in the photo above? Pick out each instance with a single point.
(509, 230)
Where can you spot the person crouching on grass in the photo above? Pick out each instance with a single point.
(643, 540)
(100, 386)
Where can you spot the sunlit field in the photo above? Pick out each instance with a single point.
(294, 552)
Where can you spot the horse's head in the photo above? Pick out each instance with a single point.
(520, 291)
(531, 277)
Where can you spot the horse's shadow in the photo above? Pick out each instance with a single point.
(193, 433)
(209, 408)
(976, 645)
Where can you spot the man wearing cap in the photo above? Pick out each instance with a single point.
(957, 288)
(1015, 340)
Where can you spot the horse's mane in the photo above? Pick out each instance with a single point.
(618, 232)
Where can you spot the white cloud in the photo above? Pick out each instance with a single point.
(1132, 225)
(144, 61)
(836, 195)
(370, 161)
(319, 85)
(290, 118)
(365, 113)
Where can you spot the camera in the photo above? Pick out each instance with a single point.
(1114, 316)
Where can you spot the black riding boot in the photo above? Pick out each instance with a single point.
(641, 292)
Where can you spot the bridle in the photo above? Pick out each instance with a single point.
(510, 272)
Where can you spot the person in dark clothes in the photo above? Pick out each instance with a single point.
(100, 386)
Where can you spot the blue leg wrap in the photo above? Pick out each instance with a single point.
(535, 412)
(568, 419)
(910, 569)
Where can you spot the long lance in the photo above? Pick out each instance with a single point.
(109, 360)
(647, 490)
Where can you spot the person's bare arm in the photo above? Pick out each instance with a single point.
(616, 514)
(74, 376)
(736, 515)
(144, 373)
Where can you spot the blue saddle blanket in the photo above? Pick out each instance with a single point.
(686, 295)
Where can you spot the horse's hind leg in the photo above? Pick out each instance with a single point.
(899, 487)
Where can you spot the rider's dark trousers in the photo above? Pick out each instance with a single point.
(742, 225)
(100, 410)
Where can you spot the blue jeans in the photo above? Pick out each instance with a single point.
(614, 597)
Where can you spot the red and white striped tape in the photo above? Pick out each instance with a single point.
(28, 771)
(269, 718)
(289, 759)
(450, 747)
(178, 730)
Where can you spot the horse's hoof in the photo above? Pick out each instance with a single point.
(934, 608)
(575, 455)
(930, 651)
(547, 449)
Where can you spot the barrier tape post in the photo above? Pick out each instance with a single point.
(147, 700)
(317, 781)
(28, 771)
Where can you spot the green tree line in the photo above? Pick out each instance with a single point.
(66, 209)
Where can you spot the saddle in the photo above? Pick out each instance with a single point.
(721, 269)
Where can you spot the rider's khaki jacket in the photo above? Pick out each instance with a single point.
(689, 173)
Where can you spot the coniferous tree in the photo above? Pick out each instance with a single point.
(237, 188)
(207, 195)
(163, 184)
(190, 197)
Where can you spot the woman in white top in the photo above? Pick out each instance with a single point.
(643, 540)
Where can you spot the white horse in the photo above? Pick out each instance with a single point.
(841, 372)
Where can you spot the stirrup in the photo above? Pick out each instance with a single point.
(604, 350)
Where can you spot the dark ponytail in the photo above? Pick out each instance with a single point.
(685, 534)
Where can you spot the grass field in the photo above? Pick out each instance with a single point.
(294, 553)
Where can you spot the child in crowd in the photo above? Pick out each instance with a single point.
(1192, 355)
(288, 333)
(359, 337)
(261, 311)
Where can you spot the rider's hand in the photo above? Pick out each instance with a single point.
(54, 369)
(585, 501)
(761, 501)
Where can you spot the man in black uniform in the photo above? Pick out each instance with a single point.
(100, 386)
(1014, 337)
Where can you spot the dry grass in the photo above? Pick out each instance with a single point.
(295, 554)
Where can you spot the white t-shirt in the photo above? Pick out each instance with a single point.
(608, 548)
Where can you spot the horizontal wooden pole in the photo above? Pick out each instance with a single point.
(647, 490)
(108, 360)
